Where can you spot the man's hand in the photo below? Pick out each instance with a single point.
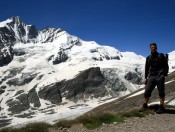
(146, 80)
(162, 76)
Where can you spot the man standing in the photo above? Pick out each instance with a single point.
(156, 68)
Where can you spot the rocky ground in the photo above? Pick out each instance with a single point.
(151, 123)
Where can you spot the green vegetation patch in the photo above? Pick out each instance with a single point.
(136, 113)
(95, 120)
(65, 123)
(89, 120)
(31, 127)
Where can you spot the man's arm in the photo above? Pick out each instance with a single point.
(147, 66)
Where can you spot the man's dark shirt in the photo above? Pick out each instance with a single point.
(155, 63)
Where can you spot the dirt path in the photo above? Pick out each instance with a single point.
(152, 123)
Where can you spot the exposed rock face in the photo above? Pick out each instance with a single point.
(20, 104)
(12, 73)
(23, 101)
(19, 52)
(48, 35)
(60, 57)
(1, 91)
(16, 31)
(133, 77)
(91, 83)
(88, 83)
(113, 81)
(51, 93)
(32, 32)
(6, 55)
(98, 56)
(24, 79)
(33, 98)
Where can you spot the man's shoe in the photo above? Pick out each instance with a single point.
(161, 110)
(144, 107)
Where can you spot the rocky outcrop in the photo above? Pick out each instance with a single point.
(20, 104)
(113, 81)
(23, 101)
(1, 91)
(33, 98)
(100, 55)
(19, 52)
(60, 57)
(51, 93)
(134, 78)
(48, 35)
(16, 31)
(89, 83)
(6, 55)
(25, 78)
(11, 73)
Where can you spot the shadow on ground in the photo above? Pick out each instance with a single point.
(169, 109)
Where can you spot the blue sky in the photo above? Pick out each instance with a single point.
(128, 25)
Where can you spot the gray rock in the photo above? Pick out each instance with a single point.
(19, 52)
(52, 34)
(61, 57)
(24, 79)
(88, 83)
(134, 78)
(22, 101)
(33, 98)
(115, 57)
(6, 55)
(19, 92)
(93, 50)
(39, 77)
(17, 33)
(9, 35)
(12, 73)
(3, 87)
(51, 93)
(5, 122)
(25, 115)
(2, 91)
(113, 82)
(33, 33)
(20, 104)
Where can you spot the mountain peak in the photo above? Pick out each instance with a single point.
(12, 20)
(16, 19)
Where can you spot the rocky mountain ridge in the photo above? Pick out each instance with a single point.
(14, 30)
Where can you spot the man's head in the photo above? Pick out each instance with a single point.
(153, 47)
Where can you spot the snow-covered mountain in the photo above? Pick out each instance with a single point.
(45, 75)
